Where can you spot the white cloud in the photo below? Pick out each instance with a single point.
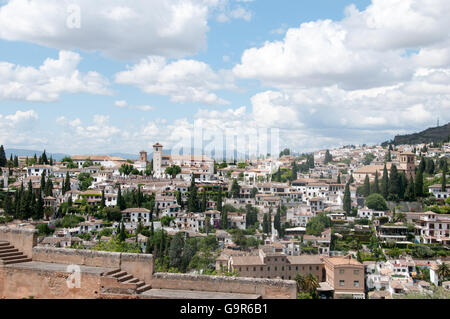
(50, 80)
(228, 11)
(20, 128)
(366, 49)
(129, 30)
(182, 80)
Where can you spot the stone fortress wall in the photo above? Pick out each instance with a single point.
(46, 276)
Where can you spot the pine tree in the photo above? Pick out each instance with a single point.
(419, 183)
(376, 185)
(366, 187)
(347, 203)
(385, 183)
(2, 157)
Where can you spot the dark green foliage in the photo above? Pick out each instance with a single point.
(328, 157)
(235, 189)
(376, 202)
(366, 187)
(2, 157)
(347, 204)
(192, 197)
(317, 224)
(385, 183)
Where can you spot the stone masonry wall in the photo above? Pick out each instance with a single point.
(138, 265)
(22, 239)
(17, 283)
(266, 288)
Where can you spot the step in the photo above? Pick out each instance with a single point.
(140, 284)
(21, 256)
(112, 272)
(9, 251)
(4, 243)
(18, 253)
(143, 288)
(119, 274)
(132, 281)
(8, 262)
(6, 247)
(125, 278)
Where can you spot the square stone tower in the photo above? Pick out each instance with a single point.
(407, 162)
(157, 158)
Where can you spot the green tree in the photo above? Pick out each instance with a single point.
(235, 189)
(102, 202)
(443, 271)
(385, 183)
(120, 200)
(192, 197)
(419, 183)
(338, 179)
(376, 202)
(347, 203)
(376, 185)
(2, 157)
(122, 232)
(366, 187)
(410, 193)
(219, 200)
(328, 157)
(394, 183)
(176, 250)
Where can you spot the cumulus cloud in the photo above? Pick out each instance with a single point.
(182, 80)
(121, 30)
(366, 49)
(19, 129)
(50, 80)
(124, 104)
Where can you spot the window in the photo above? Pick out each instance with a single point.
(341, 283)
(268, 268)
(254, 268)
(356, 283)
(275, 268)
(296, 267)
(341, 271)
(289, 267)
(261, 268)
(317, 267)
(356, 272)
(310, 267)
(282, 268)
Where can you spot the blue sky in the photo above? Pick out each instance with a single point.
(325, 73)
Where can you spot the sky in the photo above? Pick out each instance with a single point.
(93, 77)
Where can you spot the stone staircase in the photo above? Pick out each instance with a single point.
(11, 255)
(118, 281)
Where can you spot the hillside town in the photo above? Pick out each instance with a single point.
(358, 222)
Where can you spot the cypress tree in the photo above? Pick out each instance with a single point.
(39, 206)
(2, 157)
(219, 200)
(444, 173)
(43, 181)
(49, 188)
(120, 200)
(403, 185)
(66, 186)
(102, 202)
(44, 158)
(376, 185)
(347, 204)
(338, 179)
(394, 183)
(192, 197)
(180, 199)
(410, 193)
(385, 183)
(419, 183)
(203, 208)
(422, 164)
(16, 161)
(366, 187)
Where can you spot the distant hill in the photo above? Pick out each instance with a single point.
(430, 135)
(30, 153)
